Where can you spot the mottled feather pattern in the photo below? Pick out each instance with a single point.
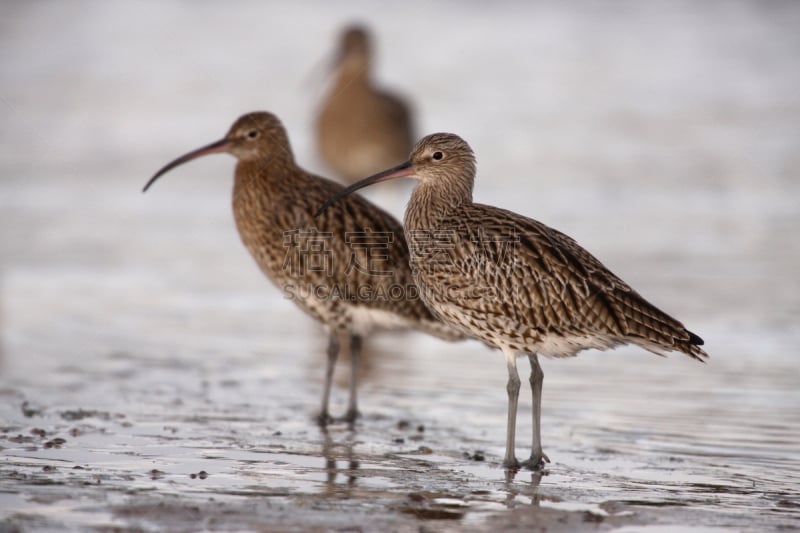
(267, 207)
(514, 282)
(540, 283)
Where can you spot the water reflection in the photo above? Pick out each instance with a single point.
(340, 480)
(515, 488)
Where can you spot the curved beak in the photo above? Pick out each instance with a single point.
(222, 145)
(403, 170)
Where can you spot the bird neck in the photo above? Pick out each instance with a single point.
(353, 73)
(433, 203)
(264, 178)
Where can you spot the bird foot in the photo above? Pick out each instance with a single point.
(511, 464)
(351, 416)
(536, 462)
(323, 419)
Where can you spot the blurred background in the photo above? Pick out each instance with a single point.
(664, 136)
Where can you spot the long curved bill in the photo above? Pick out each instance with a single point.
(222, 145)
(403, 170)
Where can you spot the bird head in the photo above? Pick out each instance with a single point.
(441, 160)
(252, 137)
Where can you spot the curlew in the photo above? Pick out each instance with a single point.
(513, 282)
(349, 269)
(360, 127)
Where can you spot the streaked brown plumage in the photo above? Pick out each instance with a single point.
(361, 128)
(321, 264)
(513, 282)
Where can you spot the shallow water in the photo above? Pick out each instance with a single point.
(136, 329)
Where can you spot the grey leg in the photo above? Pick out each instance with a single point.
(512, 387)
(355, 358)
(333, 354)
(538, 458)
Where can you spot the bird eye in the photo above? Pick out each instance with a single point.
(438, 156)
(252, 134)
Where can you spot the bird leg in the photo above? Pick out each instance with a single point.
(333, 352)
(512, 387)
(538, 458)
(355, 358)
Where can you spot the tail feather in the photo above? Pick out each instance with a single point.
(695, 339)
(658, 331)
(693, 347)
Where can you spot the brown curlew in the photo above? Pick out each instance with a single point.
(348, 269)
(515, 283)
(361, 128)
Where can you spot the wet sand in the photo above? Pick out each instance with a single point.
(137, 443)
(152, 380)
